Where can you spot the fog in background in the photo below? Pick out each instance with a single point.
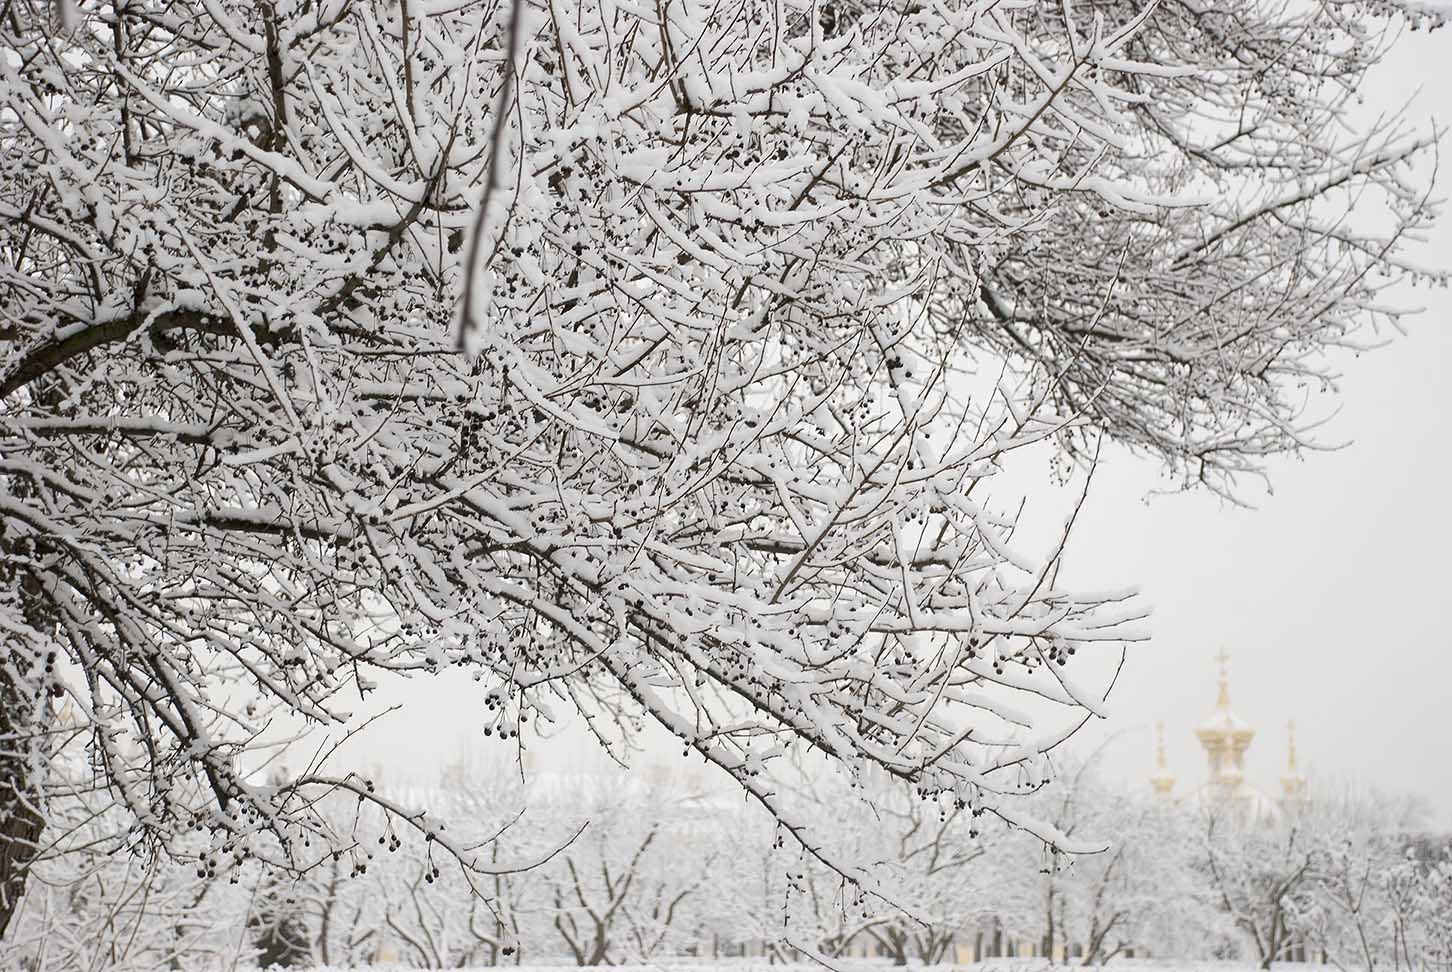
(1331, 595)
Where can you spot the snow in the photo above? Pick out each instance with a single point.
(686, 964)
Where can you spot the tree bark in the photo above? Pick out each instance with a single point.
(20, 818)
(26, 683)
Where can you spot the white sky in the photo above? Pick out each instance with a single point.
(1331, 595)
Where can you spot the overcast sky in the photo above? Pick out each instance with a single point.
(1331, 595)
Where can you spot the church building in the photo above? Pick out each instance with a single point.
(1225, 737)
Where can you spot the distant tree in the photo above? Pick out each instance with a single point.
(342, 914)
(923, 857)
(1370, 902)
(1112, 900)
(758, 298)
(928, 855)
(627, 887)
(432, 917)
(1263, 877)
(1433, 907)
(280, 936)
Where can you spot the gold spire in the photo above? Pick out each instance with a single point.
(1293, 784)
(1162, 781)
(1225, 737)
(1223, 702)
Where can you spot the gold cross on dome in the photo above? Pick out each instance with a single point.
(1223, 699)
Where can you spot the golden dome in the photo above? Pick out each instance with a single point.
(1225, 736)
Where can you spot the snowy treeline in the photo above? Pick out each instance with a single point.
(661, 872)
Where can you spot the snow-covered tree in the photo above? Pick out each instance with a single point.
(627, 888)
(756, 297)
(1432, 903)
(434, 917)
(1370, 902)
(931, 856)
(95, 903)
(1263, 876)
(924, 857)
(1106, 902)
(1332, 875)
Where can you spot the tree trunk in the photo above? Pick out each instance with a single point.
(1049, 925)
(24, 702)
(20, 818)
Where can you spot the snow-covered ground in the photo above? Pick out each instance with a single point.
(878, 965)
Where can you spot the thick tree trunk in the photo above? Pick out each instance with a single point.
(24, 701)
(20, 818)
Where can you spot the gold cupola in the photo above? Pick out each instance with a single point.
(1162, 781)
(1225, 737)
(1293, 784)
